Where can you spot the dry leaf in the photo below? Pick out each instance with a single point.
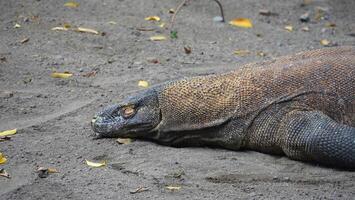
(330, 25)
(158, 38)
(59, 28)
(325, 42)
(4, 173)
(152, 18)
(5, 138)
(171, 11)
(112, 22)
(289, 28)
(8, 132)
(173, 188)
(71, 4)
(96, 164)
(241, 22)
(266, 12)
(87, 30)
(49, 170)
(187, 50)
(241, 52)
(2, 159)
(90, 74)
(61, 75)
(124, 140)
(162, 25)
(138, 190)
(17, 25)
(142, 83)
(24, 40)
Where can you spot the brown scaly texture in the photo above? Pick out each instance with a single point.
(302, 105)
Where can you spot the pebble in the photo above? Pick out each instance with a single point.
(217, 19)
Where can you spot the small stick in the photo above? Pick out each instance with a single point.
(178, 8)
(176, 11)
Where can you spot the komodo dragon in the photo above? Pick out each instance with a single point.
(302, 106)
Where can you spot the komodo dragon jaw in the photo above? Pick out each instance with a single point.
(135, 117)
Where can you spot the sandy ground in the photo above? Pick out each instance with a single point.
(52, 115)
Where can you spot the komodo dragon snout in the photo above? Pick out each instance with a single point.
(133, 117)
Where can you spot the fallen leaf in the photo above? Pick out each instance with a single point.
(152, 18)
(124, 140)
(86, 30)
(61, 75)
(161, 25)
(171, 11)
(96, 164)
(59, 28)
(138, 190)
(5, 138)
(241, 22)
(266, 12)
(8, 132)
(17, 25)
(90, 74)
(2, 159)
(44, 172)
(241, 52)
(4, 173)
(71, 4)
(142, 83)
(24, 40)
(325, 42)
(112, 22)
(158, 38)
(187, 50)
(145, 29)
(330, 25)
(173, 188)
(289, 28)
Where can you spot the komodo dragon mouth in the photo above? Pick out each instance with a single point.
(257, 106)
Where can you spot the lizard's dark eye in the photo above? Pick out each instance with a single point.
(127, 111)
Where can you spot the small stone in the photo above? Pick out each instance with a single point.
(304, 17)
(217, 19)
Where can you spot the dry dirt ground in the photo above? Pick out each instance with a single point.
(52, 115)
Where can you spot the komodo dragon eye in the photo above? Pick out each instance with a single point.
(128, 111)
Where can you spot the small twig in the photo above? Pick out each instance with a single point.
(178, 8)
(221, 9)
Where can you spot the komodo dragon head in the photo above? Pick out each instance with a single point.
(133, 117)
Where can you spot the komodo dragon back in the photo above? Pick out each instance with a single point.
(300, 105)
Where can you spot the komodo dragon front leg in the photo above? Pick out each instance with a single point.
(302, 106)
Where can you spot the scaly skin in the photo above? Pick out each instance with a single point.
(301, 105)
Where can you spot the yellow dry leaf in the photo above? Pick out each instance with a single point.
(59, 28)
(158, 38)
(142, 83)
(152, 18)
(241, 52)
(173, 188)
(96, 164)
(2, 159)
(325, 42)
(87, 30)
(162, 25)
(289, 28)
(71, 4)
(17, 25)
(124, 140)
(241, 22)
(8, 132)
(61, 75)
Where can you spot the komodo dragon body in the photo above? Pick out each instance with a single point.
(302, 106)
